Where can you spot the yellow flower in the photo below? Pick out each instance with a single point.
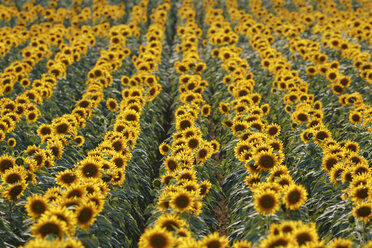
(156, 237)
(182, 201)
(295, 196)
(36, 205)
(49, 225)
(112, 104)
(266, 202)
(214, 240)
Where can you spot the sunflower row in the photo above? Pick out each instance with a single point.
(68, 125)
(331, 36)
(11, 38)
(22, 18)
(361, 112)
(26, 103)
(310, 50)
(88, 184)
(357, 23)
(42, 37)
(257, 146)
(22, 106)
(341, 160)
(182, 191)
(39, 47)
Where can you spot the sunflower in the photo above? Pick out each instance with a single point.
(361, 193)
(49, 225)
(164, 148)
(69, 243)
(193, 143)
(14, 175)
(252, 180)
(337, 88)
(52, 193)
(328, 161)
(66, 178)
(340, 243)
(295, 196)
(40, 243)
(204, 153)
(336, 172)
(14, 191)
(361, 179)
(239, 126)
(287, 227)
(36, 205)
(215, 145)
(266, 160)
(182, 201)
(242, 244)
(2, 134)
(12, 142)
(79, 140)
(39, 159)
(170, 221)
(119, 160)
(31, 116)
(6, 162)
(224, 108)
(300, 117)
(321, 135)
(89, 168)
(266, 201)
(112, 104)
(56, 147)
(280, 240)
(204, 187)
(171, 164)
(86, 214)
(214, 240)
(306, 136)
(352, 146)
(277, 172)
(156, 237)
(284, 180)
(273, 130)
(363, 211)
(164, 201)
(206, 110)
(305, 235)
(44, 130)
(355, 117)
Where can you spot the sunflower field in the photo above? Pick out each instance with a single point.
(185, 123)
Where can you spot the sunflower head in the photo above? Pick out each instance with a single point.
(266, 201)
(36, 205)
